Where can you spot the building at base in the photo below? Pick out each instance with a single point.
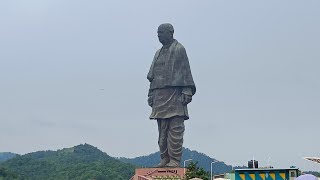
(266, 174)
(159, 173)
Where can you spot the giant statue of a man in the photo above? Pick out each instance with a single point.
(171, 89)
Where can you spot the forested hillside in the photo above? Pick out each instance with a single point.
(6, 155)
(79, 162)
(87, 162)
(6, 174)
(203, 160)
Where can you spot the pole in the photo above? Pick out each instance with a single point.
(211, 168)
(184, 165)
(253, 163)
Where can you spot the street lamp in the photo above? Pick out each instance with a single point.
(211, 167)
(184, 165)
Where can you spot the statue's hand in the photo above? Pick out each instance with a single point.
(150, 101)
(186, 99)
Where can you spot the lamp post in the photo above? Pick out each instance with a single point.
(211, 167)
(184, 165)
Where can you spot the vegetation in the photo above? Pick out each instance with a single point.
(5, 174)
(88, 162)
(203, 160)
(193, 171)
(6, 155)
(79, 162)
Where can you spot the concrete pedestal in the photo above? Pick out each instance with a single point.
(158, 173)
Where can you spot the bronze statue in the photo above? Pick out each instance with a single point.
(171, 89)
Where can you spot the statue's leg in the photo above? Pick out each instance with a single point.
(163, 127)
(175, 140)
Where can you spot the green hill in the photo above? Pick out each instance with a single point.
(6, 155)
(87, 162)
(6, 174)
(79, 162)
(203, 160)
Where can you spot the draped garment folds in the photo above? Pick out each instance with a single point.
(169, 77)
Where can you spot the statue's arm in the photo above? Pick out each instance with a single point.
(191, 89)
(186, 95)
(150, 97)
(187, 91)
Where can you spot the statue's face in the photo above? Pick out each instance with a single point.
(164, 35)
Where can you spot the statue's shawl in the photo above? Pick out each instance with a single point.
(177, 66)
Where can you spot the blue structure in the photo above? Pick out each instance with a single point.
(266, 174)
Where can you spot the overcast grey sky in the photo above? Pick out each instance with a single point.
(74, 72)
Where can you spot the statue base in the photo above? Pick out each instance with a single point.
(158, 173)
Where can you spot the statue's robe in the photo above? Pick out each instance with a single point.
(170, 76)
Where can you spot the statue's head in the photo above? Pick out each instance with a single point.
(165, 33)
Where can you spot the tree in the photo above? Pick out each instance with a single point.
(193, 171)
(7, 174)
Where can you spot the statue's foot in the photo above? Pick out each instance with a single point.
(163, 162)
(173, 163)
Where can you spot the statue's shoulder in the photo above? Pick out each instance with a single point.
(177, 44)
(157, 53)
(179, 47)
